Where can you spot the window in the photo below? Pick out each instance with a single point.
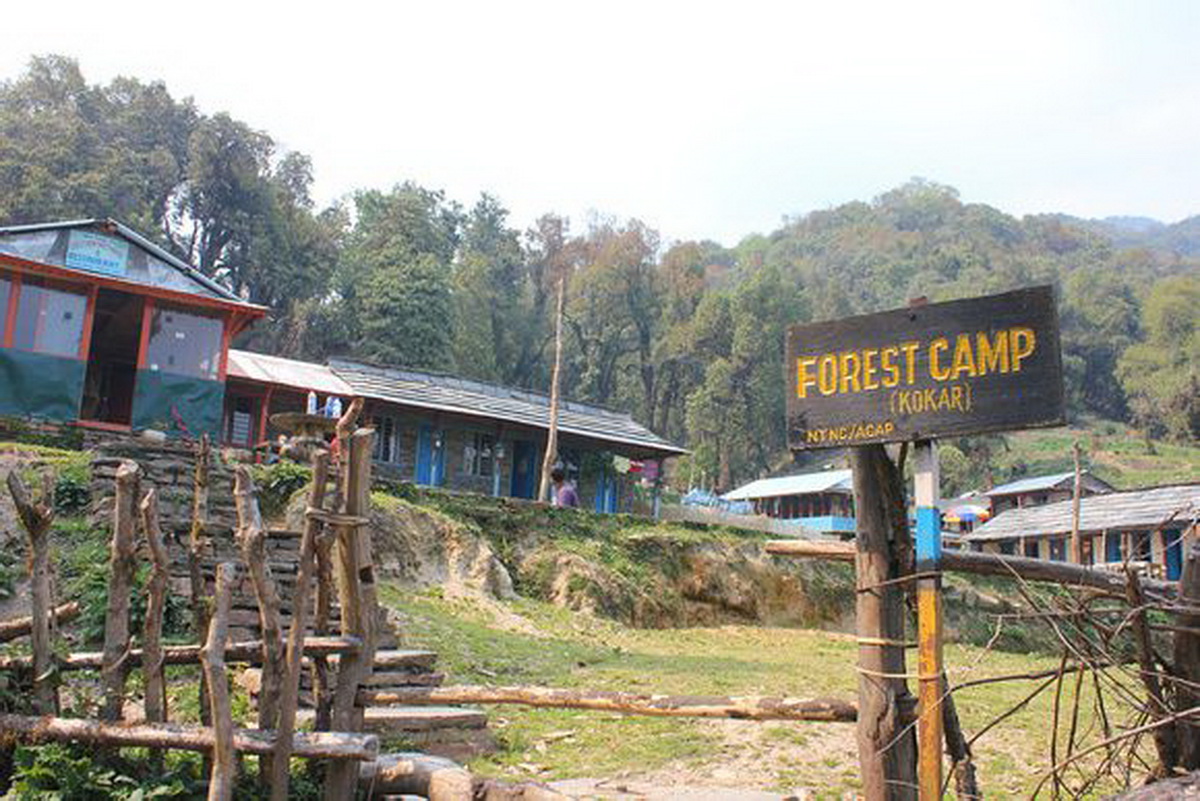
(185, 344)
(478, 454)
(49, 320)
(240, 430)
(1058, 550)
(387, 445)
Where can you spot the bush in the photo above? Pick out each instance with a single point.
(277, 483)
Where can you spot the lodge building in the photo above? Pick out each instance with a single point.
(102, 329)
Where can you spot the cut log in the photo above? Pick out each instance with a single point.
(699, 706)
(293, 665)
(120, 583)
(156, 600)
(990, 564)
(36, 518)
(422, 775)
(23, 626)
(315, 745)
(224, 766)
(247, 652)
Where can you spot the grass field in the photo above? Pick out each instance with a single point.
(533, 643)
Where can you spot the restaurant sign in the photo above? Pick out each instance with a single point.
(936, 370)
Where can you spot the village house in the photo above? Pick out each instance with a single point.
(104, 330)
(1038, 490)
(820, 502)
(1150, 527)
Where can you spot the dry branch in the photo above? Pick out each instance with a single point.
(156, 591)
(432, 777)
(120, 584)
(697, 706)
(318, 745)
(23, 626)
(196, 545)
(36, 518)
(293, 665)
(224, 767)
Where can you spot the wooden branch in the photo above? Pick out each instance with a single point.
(249, 652)
(290, 692)
(23, 626)
(196, 546)
(120, 584)
(1164, 736)
(36, 518)
(346, 423)
(224, 766)
(991, 564)
(252, 537)
(962, 763)
(322, 691)
(694, 706)
(156, 592)
(355, 574)
(431, 777)
(319, 745)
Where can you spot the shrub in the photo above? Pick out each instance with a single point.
(277, 483)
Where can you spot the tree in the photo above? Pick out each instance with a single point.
(406, 315)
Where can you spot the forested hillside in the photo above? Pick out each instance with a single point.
(685, 335)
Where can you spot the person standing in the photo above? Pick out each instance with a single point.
(564, 491)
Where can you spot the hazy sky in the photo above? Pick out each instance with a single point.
(702, 119)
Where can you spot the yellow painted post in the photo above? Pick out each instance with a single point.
(930, 734)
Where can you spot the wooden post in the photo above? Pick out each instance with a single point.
(295, 648)
(322, 690)
(120, 583)
(1076, 543)
(224, 766)
(36, 518)
(355, 573)
(196, 546)
(551, 454)
(1187, 655)
(886, 753)
(252, 538)
(156, 601)
(929, 620)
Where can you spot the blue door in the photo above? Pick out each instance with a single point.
(606, 491)
(524, 469)
(1174, 554)
(431, 456)
(1112, 546)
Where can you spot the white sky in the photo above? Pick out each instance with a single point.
(704, 120)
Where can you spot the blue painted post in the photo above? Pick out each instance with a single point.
(930, 735)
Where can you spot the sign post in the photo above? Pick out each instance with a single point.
(913, 375)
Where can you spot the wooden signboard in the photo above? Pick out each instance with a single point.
(943, 369)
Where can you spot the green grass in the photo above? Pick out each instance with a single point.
(527, 642)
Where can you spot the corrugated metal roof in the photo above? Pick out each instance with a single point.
(1115, 511)
(112, 226)
(479, 399)
(286, 373)
(1036, 483)
(806, 483)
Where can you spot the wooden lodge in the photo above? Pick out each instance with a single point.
(1038, 490)
(1150, 527)
(820, 502)
(102, 329)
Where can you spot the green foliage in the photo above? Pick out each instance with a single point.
(277, 483)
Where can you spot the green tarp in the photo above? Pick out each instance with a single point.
(40, 386)
(176, 404)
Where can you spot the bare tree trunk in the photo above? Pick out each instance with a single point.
(1187, 657)
(36, 518)
(555, 379)
(295, 647)
(152, 659)
(196, 546)
(224, 766)
(886, 752)
(120, 584)
(355, 573)
(252, 537)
